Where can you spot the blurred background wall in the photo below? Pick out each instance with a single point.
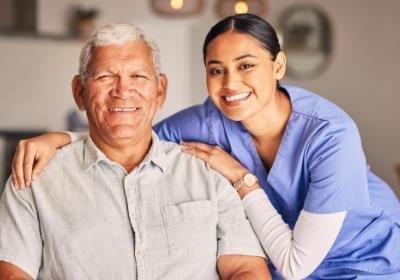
(360, 76)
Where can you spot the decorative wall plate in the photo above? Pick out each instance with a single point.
(307, 40)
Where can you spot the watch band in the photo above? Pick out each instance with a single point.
(247, 180)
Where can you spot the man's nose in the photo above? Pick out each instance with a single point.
(123, 88)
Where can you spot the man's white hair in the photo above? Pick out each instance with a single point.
(116, 34)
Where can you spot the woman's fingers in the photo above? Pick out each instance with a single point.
(17, 165)
(217, 158)
(32, 154)
(203, 151)
(192, 150)
(198, 145)
(22, 164)
(38, 167)
(29, 159)
(14, 179)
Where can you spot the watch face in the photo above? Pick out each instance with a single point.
(249, 179)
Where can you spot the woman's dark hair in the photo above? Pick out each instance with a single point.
(248, 24)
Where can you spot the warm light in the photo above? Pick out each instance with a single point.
(176, 4)
(241, 7)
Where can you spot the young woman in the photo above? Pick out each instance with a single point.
(295, 158)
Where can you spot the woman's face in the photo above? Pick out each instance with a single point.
(241, 75)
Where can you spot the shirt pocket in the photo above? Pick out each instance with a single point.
(191, 228)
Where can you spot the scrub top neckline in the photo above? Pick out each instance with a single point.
(244, 138)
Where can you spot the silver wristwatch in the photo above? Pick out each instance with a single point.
(248, 180)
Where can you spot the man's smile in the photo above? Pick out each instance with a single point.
(123, 109)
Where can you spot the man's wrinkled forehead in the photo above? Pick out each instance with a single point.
(136, 52)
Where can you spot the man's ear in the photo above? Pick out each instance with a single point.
(78, 92)
(280, 66)
(162, 87)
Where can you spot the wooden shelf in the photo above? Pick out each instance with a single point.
(39, 36)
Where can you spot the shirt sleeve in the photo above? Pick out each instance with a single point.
(190, 124)
(295, 254)
(337, 170)
(20, 239)
(234, 233)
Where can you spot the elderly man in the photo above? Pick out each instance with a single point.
(122, 204)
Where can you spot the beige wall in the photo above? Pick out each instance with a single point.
(35, 73)
(363, 75)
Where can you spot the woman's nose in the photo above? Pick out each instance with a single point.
(231, 80)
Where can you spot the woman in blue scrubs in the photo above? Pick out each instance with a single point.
(295, 159)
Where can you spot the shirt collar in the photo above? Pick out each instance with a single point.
(156, 154)
(92, 155)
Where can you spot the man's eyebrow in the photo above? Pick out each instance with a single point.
(235, 59)
(99, 70)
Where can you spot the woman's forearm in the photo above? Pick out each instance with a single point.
(296, 254)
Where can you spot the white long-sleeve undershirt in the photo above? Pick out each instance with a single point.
(295, 254)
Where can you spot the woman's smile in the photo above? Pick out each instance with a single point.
(236, 98)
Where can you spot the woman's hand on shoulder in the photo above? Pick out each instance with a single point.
(32, 154)
(217, 158)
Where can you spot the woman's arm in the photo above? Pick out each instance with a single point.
(295, 253)
(33, 154)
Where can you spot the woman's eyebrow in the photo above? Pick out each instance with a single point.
(235, 59)
(244, 56)
(214, 62)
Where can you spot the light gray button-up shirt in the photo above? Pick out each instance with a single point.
(85, 217)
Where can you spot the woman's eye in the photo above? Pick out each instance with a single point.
(216, 71)
(246, 66)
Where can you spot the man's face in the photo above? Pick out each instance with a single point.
(121, 93)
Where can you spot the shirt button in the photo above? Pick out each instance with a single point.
(135, 215)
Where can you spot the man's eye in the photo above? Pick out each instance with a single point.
(140, 76)
(103, 77)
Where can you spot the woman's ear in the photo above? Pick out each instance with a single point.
(280, 66)
(78, 92)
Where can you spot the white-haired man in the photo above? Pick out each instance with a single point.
(122, 204)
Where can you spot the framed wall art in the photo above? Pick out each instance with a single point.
(306, 39)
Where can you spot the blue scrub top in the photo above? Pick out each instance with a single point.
(320, 167)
